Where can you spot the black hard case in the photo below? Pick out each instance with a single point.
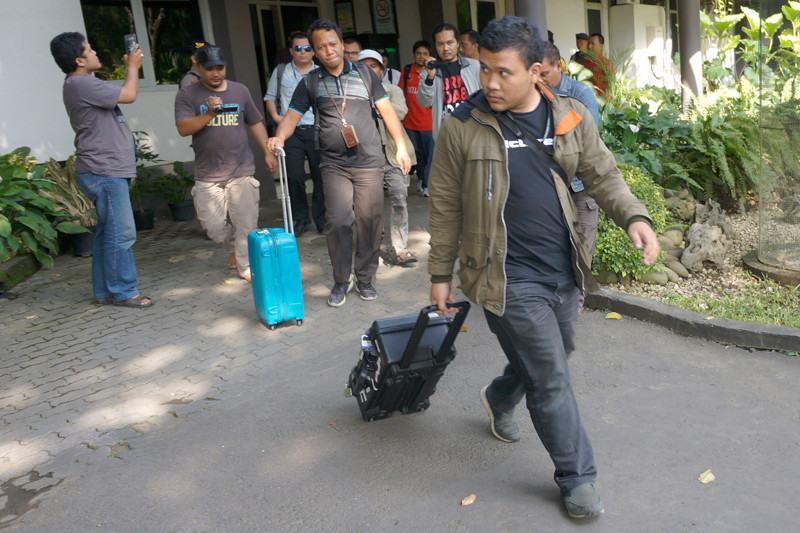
(402, 360)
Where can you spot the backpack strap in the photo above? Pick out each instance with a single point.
(279, 73)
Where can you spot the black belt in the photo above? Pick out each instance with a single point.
(305, 127)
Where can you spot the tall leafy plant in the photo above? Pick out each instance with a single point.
(29, 220)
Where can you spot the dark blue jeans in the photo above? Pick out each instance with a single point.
(423, 147)
(113, 270)
(537, 334)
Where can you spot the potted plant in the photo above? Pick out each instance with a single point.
(29, 220)
(174, 188)
(71, 202)
(142, 183)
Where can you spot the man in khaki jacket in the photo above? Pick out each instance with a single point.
(504, 210)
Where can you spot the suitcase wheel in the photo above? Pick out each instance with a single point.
(300, 322)
(272, 327)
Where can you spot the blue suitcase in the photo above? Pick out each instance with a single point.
(275, 265)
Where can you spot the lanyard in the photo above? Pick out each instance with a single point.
(344, 96)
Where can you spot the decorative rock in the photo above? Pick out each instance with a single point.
(676, 236)
(704, 243)
(654, 277)
(675, 252)
(606, 277)
(666, 193)
(684, 194)
(713, 215)
(665, 242)
(677, 267)
(679, 208)
(671, 274)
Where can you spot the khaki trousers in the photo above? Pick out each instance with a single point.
(228, 211)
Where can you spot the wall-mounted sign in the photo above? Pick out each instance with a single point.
(344, 16)
(383, 16)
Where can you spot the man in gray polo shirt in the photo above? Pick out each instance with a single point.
(104, 162)
(225, 191)
(302, 144)
(342, 94)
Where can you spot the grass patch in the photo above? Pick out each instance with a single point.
(760, 300)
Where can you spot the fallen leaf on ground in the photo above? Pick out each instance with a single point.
(709, 318)
(463, 328)
(204, 254)
(706, 477)
(615, 316)
(229, 282)
(176, 259)
(469, 500)
(32, 316)
(56, 275)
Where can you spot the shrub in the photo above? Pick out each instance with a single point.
(28, 219)
(613, 249)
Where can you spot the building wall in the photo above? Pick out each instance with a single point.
(641, 27)
(34, 112)
(563, 27)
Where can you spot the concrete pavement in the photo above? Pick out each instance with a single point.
(192, 416)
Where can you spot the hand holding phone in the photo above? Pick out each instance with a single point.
(130, 42)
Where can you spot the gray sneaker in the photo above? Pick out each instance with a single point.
(504, 425)
(366, 290)
(582, 501)
(339, 292)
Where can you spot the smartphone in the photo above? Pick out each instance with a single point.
(130, 42)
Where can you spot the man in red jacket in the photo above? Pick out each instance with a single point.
(418, 120)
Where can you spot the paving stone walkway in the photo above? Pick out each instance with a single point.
(75, 376)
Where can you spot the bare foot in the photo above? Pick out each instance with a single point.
(248, 277)
(232, 260)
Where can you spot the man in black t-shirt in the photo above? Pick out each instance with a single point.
(342, 94)
(500, 205)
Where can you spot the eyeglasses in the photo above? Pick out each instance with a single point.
(305, 48)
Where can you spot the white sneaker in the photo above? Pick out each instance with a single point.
(419, 186)
(425, 192)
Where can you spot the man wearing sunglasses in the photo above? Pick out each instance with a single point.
(301, 145)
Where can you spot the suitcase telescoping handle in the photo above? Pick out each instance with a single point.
(422, 323)
(283, 178)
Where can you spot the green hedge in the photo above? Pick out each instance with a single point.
(613, 249)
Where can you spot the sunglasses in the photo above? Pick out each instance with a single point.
(305, 48)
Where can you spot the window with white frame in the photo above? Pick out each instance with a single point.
(165, 30)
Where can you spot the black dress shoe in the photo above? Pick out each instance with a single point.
(299, 228)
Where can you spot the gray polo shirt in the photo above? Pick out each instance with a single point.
(103, 140)
(358, 112)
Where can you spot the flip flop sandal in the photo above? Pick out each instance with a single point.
(136, 302)
(104, 301)
(406, 258)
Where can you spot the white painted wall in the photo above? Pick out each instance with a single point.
(34, 113)
(565, 18)
(642, 27)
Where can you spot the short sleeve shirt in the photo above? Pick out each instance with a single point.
(357, 90)
(290, 78)
(453, 89)
(221, 149)
(418, 118)
(103, 140)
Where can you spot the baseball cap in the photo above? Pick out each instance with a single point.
(210, 56)
(370, 54)
(581, 37)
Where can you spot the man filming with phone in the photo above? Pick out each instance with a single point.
(215, 112)
(104, 161)
(450, 80)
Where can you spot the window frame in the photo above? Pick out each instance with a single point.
(149, 83)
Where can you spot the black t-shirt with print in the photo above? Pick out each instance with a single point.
(538, 238)
(453, 88)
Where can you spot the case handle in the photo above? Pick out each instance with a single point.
(419, 329)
